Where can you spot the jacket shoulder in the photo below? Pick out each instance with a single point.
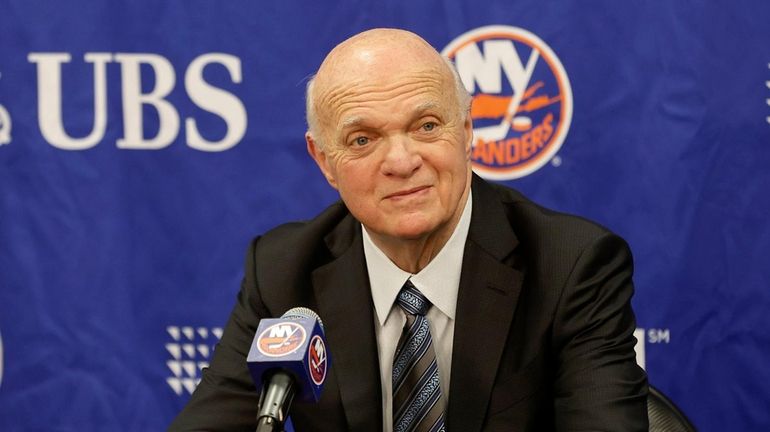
(293, 238)
(285, 256)
(534, 223)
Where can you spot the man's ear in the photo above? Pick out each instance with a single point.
(319, 156)
(468, 127)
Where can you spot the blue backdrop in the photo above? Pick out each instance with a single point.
(143, 144)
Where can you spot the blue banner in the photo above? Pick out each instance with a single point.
(143, 144)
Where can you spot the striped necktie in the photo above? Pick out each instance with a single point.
(416, 390)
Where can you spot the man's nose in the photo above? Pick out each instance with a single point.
(401, 158)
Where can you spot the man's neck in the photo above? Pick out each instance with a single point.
(412, 255)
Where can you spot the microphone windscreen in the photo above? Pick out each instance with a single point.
(303, 312)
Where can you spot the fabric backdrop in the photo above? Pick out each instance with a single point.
(144, 143)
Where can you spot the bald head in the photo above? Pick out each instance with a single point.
(372, 58)
(376, 52)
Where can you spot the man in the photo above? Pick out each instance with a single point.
(528, 310)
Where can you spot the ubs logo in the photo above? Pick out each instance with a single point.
(281, 339)
(137, 70)
(522, 99)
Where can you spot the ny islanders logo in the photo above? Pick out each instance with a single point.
(522, 99)
(316, 355)
(281, 339)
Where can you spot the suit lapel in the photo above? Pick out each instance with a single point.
(345, 306)
(487, 298)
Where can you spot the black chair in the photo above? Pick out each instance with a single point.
(664, 416)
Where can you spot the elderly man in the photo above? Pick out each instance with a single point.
(449, 303)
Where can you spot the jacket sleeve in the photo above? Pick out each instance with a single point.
(226, 397)
(598, 385)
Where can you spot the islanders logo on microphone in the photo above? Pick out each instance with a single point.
(522, 99)
(281, 339)
(316, 356)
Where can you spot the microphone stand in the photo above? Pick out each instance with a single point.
(274, 402)
(266, 424)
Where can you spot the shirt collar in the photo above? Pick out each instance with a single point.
(439, 281)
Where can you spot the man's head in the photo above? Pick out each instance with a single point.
(391, 131)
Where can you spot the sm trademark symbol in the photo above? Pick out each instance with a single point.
(658, 336)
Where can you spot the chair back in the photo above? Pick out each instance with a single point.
(664, 416)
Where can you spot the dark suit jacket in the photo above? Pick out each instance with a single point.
(543, 333)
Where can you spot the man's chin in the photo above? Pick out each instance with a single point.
(407, 227)
(413, 230)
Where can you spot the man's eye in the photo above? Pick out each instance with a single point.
(362, 140)
(429, 126)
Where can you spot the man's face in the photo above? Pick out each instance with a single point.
(396, 148)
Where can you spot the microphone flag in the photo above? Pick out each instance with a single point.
(294, 343)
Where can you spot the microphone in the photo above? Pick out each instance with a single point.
(288, 358)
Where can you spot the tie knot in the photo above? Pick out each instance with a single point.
(412, 301)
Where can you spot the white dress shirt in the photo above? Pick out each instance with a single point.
(439, 282)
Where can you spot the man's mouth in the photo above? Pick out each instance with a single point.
(407, 192)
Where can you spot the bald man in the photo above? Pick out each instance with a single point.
(519, 316)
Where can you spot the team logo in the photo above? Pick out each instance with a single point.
(316, 356)
(5, 126)
(522, 99)
(281, 339)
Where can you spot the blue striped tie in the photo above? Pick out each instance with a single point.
(416, 389)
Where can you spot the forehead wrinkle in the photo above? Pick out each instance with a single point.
(341, 91)
(411, 113)
(358, 119)
(346, 99)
